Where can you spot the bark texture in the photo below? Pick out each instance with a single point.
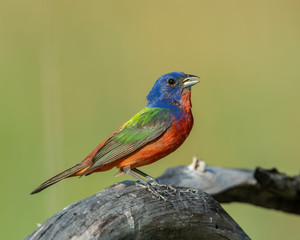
(127, 211)
(261, 187)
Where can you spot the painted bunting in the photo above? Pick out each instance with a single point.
(153, 133)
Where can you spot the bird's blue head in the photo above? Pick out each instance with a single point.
(169, 88)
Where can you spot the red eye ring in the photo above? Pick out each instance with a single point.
(171, 82)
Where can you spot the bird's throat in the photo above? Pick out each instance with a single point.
(186, 100)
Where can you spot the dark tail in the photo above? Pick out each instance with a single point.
(72, 171)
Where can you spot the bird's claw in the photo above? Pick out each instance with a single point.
(152, 190)
(158, 183)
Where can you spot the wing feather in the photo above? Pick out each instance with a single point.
(143, 128)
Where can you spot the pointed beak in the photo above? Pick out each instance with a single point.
(190, 80)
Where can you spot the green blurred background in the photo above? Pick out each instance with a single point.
(72, 71)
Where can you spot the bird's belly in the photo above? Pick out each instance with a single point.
(168, 143)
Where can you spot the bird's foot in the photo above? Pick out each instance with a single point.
(151, 189)
(159, 183)
(157, 187)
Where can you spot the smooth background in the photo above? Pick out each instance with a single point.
(72, 71)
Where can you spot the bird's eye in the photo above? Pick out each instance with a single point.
(171, 82)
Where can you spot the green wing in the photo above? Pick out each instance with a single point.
(144, 127)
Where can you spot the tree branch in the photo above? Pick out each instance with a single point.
(261, 187)
(127, 211)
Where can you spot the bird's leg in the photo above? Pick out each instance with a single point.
(143, 174)
(154, 181)
(146, 184)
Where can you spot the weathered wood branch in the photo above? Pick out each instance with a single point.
(261, 187)
(127, 211)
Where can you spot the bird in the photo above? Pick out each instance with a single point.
(153, 133)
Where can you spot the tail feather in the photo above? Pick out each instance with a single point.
(72, 171)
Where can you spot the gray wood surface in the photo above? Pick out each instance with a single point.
(127, 211)
(261, 187)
